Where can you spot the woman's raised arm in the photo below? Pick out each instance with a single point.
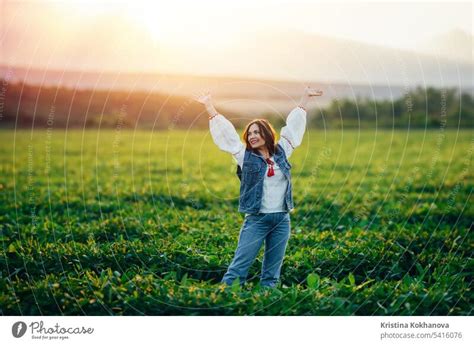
(223, 131)
(291, 135)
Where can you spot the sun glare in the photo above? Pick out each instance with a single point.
(156, 17)
(180, 22)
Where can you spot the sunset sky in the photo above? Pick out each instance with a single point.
(209, 36)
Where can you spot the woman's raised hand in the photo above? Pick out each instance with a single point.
(313, 92)
(308, 93)
(204, 98)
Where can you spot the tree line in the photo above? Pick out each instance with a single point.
(27, 106)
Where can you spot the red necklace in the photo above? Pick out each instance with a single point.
(270, 170)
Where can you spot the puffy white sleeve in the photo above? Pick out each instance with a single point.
(291, 135)
(226, 138)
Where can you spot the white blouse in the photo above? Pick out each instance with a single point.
(274, 187)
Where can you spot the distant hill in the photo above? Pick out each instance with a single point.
(239, 96)
(455, 45)
(41, 106)
(288, 55)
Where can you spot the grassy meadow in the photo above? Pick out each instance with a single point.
(123, 222)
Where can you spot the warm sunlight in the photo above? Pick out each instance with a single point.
(160, 19)
(277, 40)
(173, 23)
(168, 22)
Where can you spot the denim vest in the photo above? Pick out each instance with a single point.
(252, 175)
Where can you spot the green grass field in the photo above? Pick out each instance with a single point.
(146, 223)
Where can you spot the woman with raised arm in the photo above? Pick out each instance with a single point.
(265, 187)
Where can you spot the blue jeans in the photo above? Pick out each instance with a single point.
(274, 229)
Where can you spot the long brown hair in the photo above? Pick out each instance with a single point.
(266, 132)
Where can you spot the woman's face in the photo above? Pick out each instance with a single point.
(254, 137)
